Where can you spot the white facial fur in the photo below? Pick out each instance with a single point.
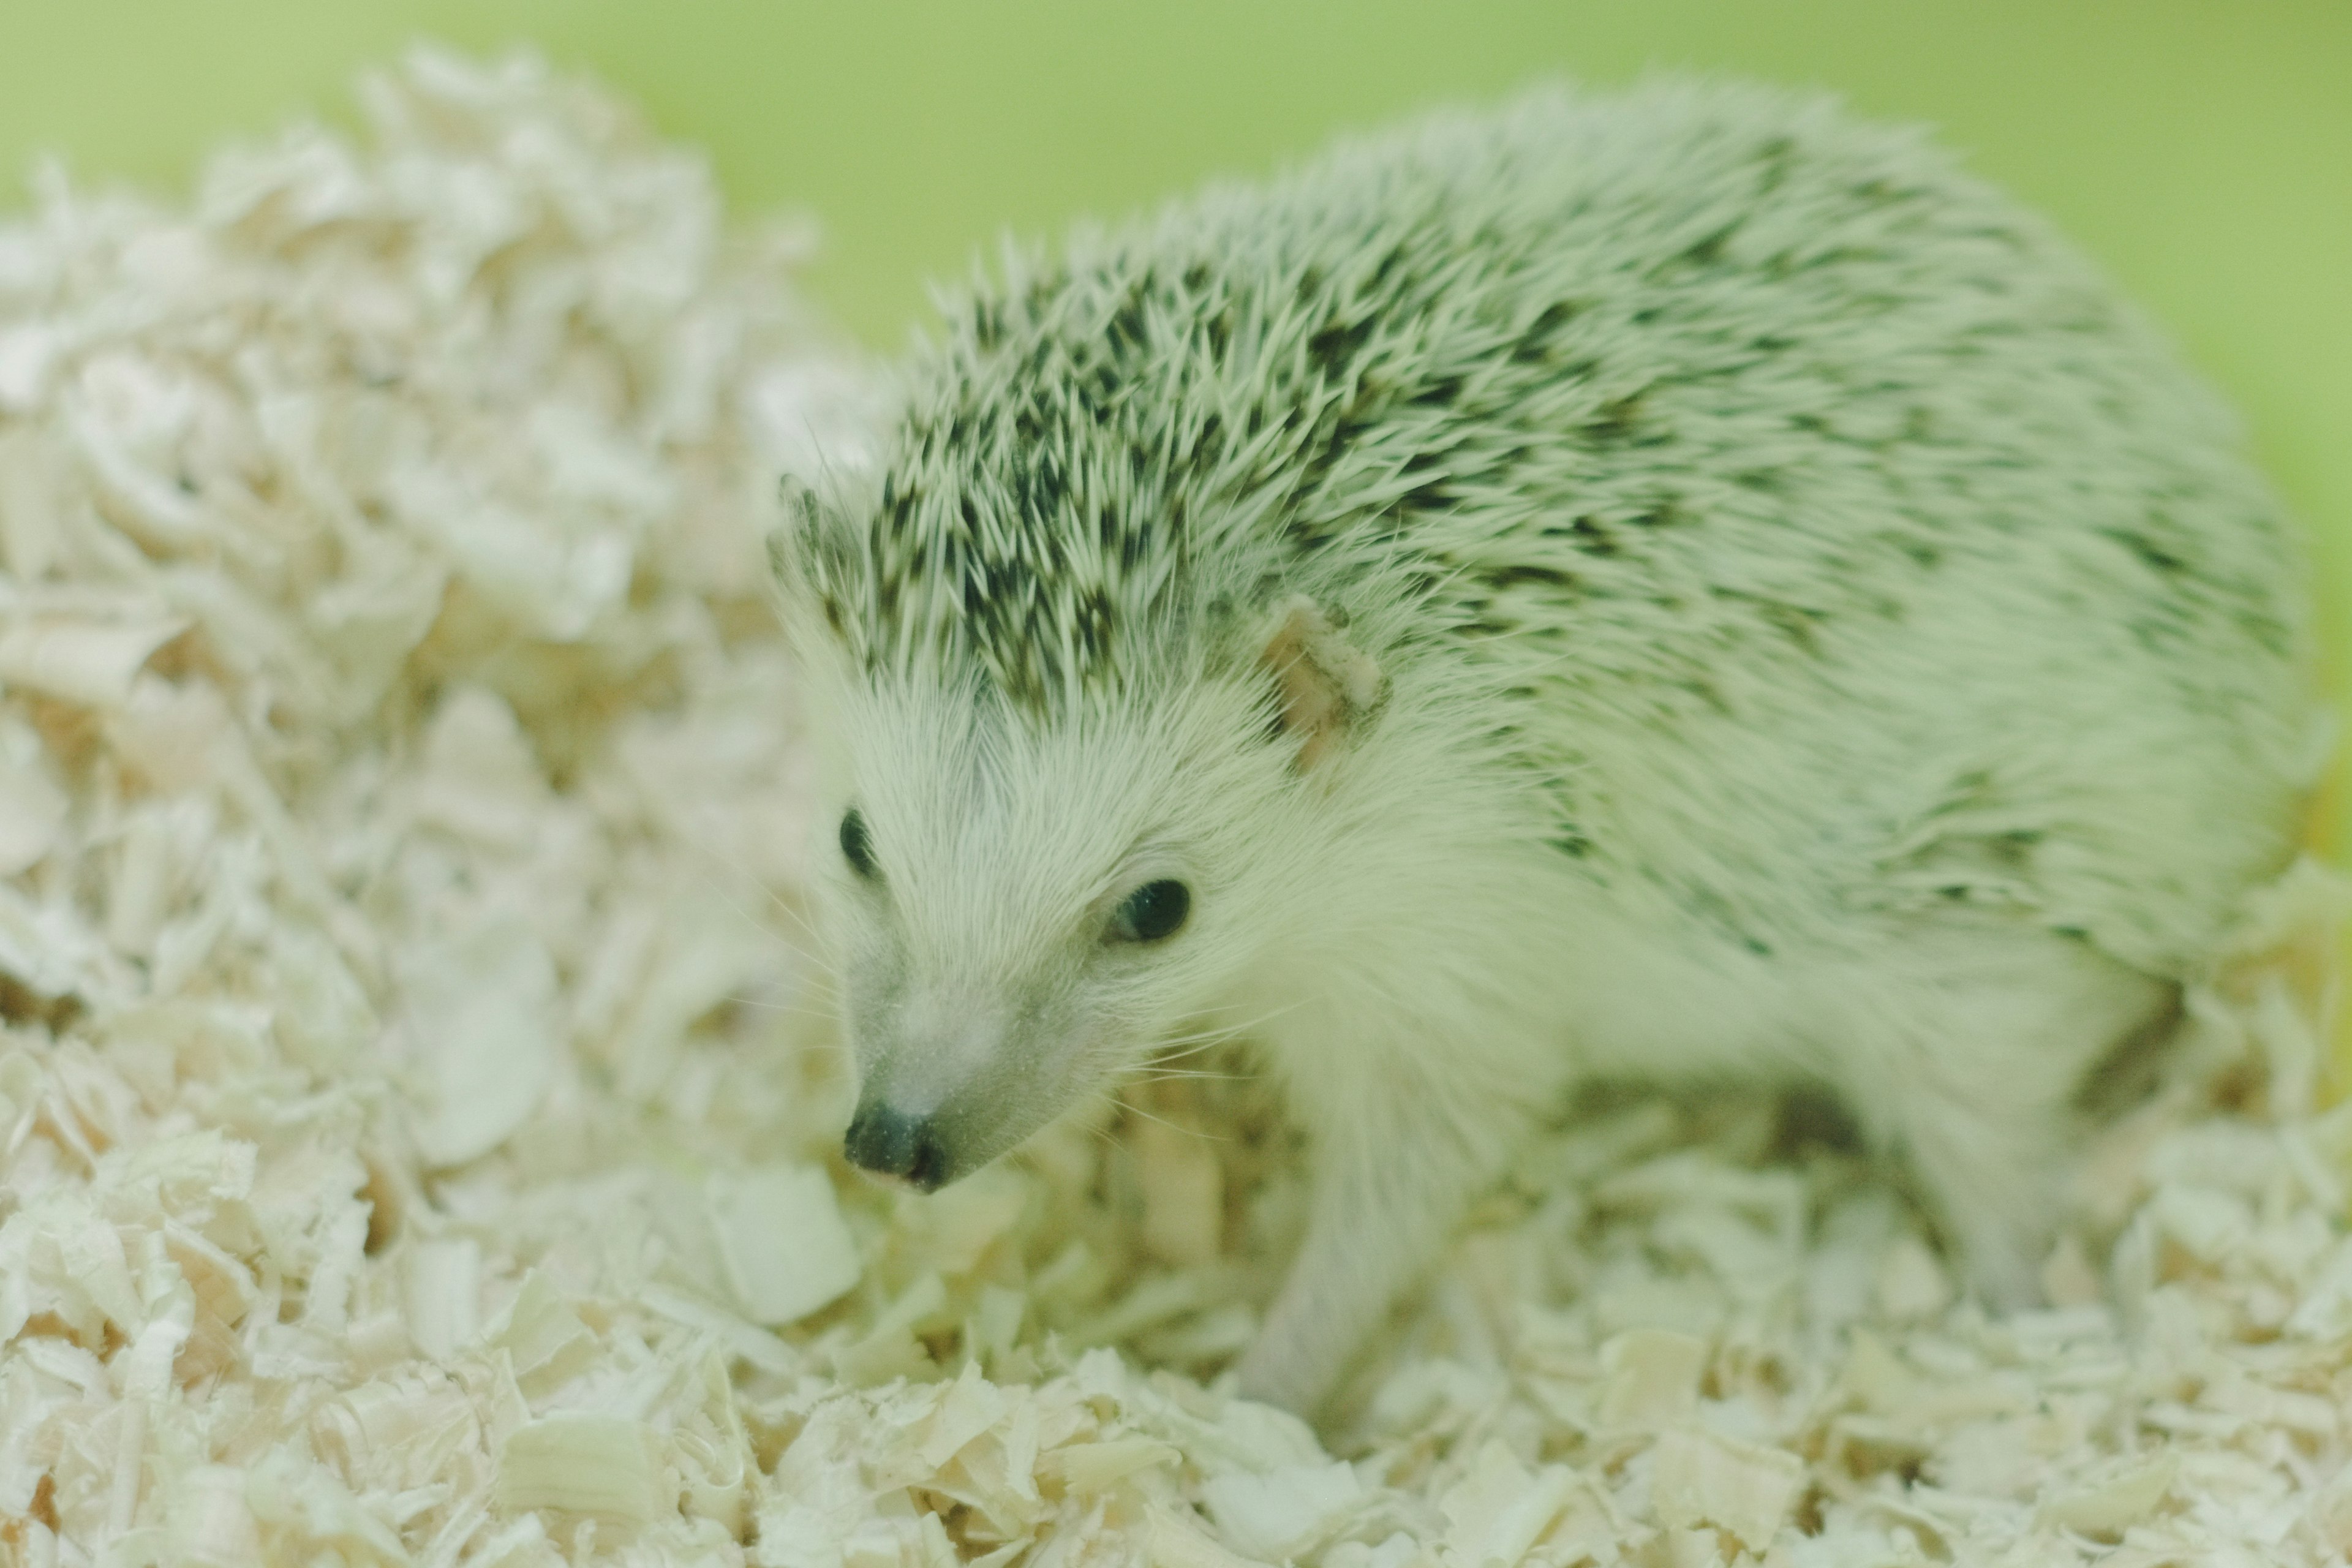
(985, 990)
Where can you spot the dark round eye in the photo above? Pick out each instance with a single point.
(855, 846)
(1151, 912)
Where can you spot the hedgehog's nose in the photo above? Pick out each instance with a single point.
(891, 1143)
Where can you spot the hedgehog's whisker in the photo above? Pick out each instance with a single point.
(1176, 1048)
(816, 1048)
(820, 1014)
(813, 960)
(1187, 1048)
(1134, 1109)
(796, 916)
(1100, 1130)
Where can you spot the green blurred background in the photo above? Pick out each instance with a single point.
(2202, 149)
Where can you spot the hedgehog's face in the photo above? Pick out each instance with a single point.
(1022, 912)
(1024, 909)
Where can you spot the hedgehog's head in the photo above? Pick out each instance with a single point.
(1027, 898)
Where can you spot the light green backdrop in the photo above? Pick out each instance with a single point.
(2201, 148)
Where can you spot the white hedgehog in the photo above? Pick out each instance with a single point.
(1672, 584)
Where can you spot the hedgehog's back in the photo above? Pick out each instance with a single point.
(1708, 423)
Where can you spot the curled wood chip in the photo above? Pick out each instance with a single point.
(582, 1463)
(1494, 1514)
(1651, 1378)
(442, 1295)
(1699, 1479)
(80, 660)
(1093, 1467)
(32, 805)
(545, 1341)
(1172, 1540)
(2123, 1496)
(786, 1249)
(1275, 1515)
(480, 1012)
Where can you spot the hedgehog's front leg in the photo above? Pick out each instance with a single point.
(1399, 1151)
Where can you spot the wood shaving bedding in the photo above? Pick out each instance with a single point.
(418, 1115)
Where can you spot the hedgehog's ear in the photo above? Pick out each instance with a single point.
(793, 544)
(1324, 684)
(789, 537)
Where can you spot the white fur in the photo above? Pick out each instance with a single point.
(1817, 635)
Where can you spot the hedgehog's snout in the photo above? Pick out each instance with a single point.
(889, 1142)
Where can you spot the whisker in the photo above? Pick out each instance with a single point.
(795, 949)
(1177, 1047)
(1090, 1106)
(821, 1014)
(798, 918)
(1248, 1024)
(1186, 1052)
(1133, 1109)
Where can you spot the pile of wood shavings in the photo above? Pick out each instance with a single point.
(417, 1116)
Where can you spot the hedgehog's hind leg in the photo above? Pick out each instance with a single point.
(1971, 1056)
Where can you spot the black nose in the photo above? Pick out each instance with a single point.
(884, 1140)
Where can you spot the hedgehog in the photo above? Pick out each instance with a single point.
(1676, 585)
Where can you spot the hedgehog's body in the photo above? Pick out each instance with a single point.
(1677, 583)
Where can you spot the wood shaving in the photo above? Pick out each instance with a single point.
(418, 1119)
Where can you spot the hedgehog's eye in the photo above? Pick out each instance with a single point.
(857, 847)
(1151, 912)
